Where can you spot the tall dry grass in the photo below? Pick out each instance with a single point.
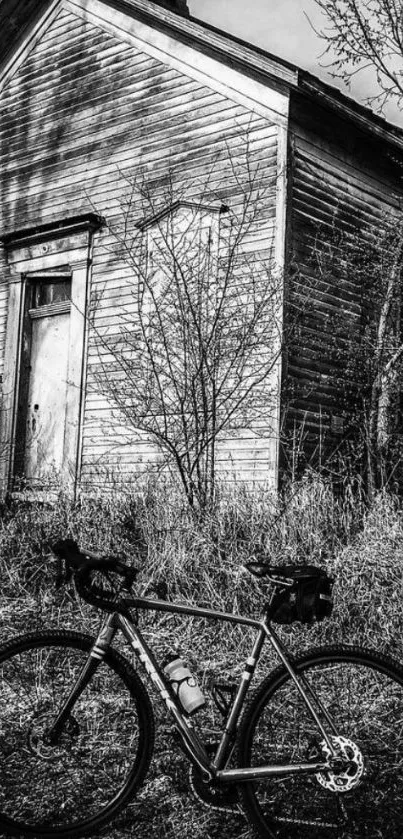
(202, 561)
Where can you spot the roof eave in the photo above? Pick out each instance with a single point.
(346, 107)
(254, 61)
(267, 67)
(214, 40)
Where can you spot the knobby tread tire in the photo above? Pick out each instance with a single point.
(119, 665)
(264, 694)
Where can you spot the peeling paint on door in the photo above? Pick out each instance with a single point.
(46, 408)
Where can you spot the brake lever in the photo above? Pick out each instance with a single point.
(81, 562)
(65, 564)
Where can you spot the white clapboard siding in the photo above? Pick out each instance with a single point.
(84, 113)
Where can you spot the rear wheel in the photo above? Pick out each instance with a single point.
(77, 784)
(363, 692)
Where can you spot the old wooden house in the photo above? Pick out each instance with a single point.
(94, 92)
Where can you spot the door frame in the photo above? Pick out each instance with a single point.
(31, 314)
(65, 246)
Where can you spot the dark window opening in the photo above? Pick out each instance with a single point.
(48, 291)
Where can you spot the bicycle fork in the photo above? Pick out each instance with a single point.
(95, 657)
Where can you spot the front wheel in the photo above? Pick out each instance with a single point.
(363, 692)
(78, 783)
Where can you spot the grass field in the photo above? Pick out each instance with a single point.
(202, 562)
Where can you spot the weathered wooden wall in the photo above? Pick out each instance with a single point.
(84, 113)
(340, 179)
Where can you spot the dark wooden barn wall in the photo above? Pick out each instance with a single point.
(339, 178)
(84, 112)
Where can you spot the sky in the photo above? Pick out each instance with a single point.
(282, 28)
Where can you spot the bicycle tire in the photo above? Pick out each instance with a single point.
(85, 780)
(363, 691)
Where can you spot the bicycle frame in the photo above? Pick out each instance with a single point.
(211, 769)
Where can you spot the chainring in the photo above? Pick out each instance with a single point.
(223, 797)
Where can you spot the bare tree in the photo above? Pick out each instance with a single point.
(366, 35)
(194, 358)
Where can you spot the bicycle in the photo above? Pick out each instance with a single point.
(316, 751)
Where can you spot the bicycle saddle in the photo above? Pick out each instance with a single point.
(283, 575)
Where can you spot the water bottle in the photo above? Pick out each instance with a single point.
(185, 685)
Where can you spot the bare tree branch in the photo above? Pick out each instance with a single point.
(362, 34)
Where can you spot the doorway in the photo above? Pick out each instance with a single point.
(43, 381)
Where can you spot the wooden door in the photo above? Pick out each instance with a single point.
(46, 403)
(42, 409)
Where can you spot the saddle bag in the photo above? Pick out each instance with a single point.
(307, 599)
